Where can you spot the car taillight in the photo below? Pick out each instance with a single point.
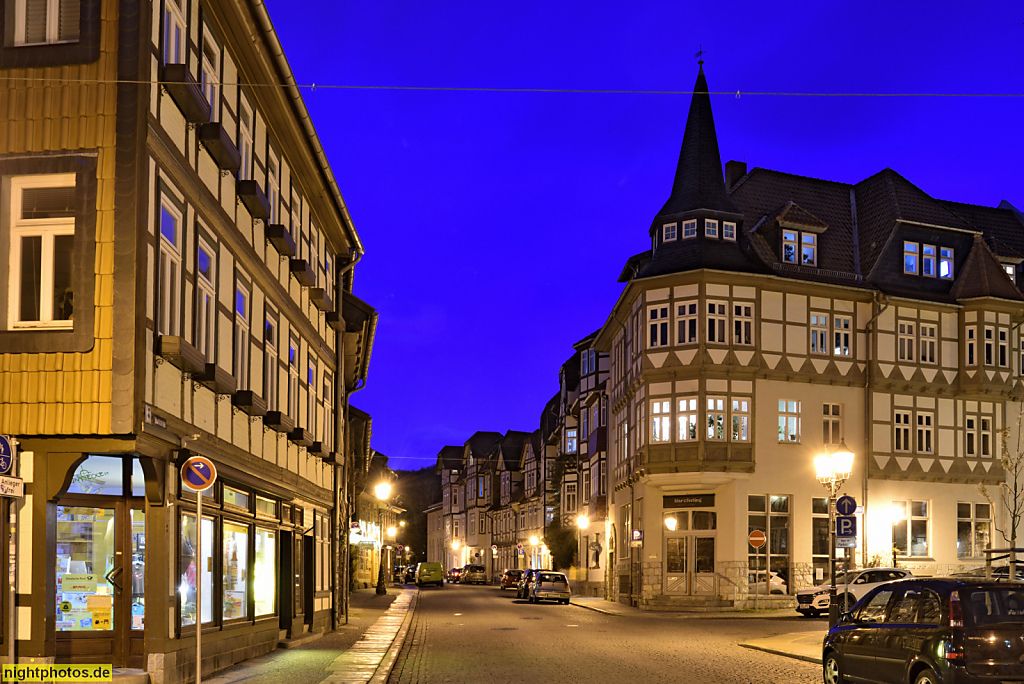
(956, 612)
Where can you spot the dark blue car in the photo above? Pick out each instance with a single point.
(951, 630)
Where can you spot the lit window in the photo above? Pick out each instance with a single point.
(928, 260)
(729, 230)
(716, 418)
(910, 257)
(789, 421)
(809, 249)
(842, 326)
(710, 228)
(819, 333)
(740, 420)
(293, 377)
(206, 299)
(661, 421)
(311, 401)
(174, 32)
(270, 361)
(689, 229)
(169, 276)
(946, 263)
(687, 419)
(241, 341)
(571, 441)
(789, 246)
(1010, 270)
(668, 232)
(973, 529)
(42, 238)
(910, 528)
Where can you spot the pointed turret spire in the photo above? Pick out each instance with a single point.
(699, 183)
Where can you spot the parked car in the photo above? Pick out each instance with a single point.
(849, 588)
(410, 574)
(930, 631)
(453, 575)
(473, 574)
(549, 586)
(429, 573)
(998, 572)
(523, 587)
(510, 578)
(756, 583)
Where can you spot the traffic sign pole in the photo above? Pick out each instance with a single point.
(198, 473)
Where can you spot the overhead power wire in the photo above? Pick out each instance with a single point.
(477, 89)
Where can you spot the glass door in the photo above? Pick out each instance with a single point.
(676, 576)
(88, 572)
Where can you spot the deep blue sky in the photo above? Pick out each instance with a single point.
(496, 223)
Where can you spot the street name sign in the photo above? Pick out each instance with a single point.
(846, 542)
(12, 487)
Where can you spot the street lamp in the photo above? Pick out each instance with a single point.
(383, 492)
(833, 469)
(582, 523)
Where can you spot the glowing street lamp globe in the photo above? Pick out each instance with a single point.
(383, 491)
(583, 522)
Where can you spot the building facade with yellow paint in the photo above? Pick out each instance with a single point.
(178, 261)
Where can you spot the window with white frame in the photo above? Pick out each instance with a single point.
(831, 423)
(570, 496)
(245, 129)
(686, 323)
(210, 75)
(658, 326)
(270, 359)
(716, 418)
(687, 418)
(925, 433)
(456, 532)
(42, 239)
(641, 423)
(241, 341)
(175, 32)
(717, 321)
(927, 334)
(729, 230)
(710, 228)
(905, 340)
(169, 290)
(311, 399)
(586, 485)
(668, 232)
(689, 229)
(274, 187)
(819, 537)
(743, 324)
(971, 436)
(661, 420)
(911, 257)
(985, 435)
(789, 421)
(584, 423)
(946, 263)
(206, 299)
(970, 347)
(301, 236)
(973, 529)
(808, 249)
(819, 333)
(910, 528)
(740, 419)
(43, 22)
(789, 246)
(928, 260)
(1003, 347)
(841, 335)
(293, 377)
(990, 346)
(901, 423)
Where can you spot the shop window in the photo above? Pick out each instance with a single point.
(265, 571)
(267, 507)
(973, 529)
(236, 497)
(235, 570)
(84, 554)
(910, 528)
(819, 538)
(770, 514)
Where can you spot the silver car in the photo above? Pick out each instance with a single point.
(549, 586)
(850, 588)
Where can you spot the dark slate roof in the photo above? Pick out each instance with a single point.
(548, 419)
(481, 443)
(449, 458)
(982, 276)
(1002, 224)
(793, 214)
(698, 183)
(570, 373)
(587, 341)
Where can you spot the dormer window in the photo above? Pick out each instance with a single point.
(809, 249)
(928, 260)
(946, 263)
(910, 258)
(1009, 268)
(729, 231)
(689, 229)
(710, 228)
(668, 232)
(920, 259)
(799, 248)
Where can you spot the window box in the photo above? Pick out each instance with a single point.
(321, 299)
(316, 449)
(335, 321)
(329, 457)
(185, 92)
(276, 420)
(302, 271)
(281, 239)
(251, 195)
(218, 143)
(249, 402)
(216, 379)
(301, 436)
(180, 354)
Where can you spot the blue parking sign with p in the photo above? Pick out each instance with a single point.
(6, 454)
(846, 526)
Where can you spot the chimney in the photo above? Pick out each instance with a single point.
(734, 170)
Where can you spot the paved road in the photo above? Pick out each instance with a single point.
(480, 634)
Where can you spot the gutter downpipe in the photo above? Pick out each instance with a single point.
(867, 422)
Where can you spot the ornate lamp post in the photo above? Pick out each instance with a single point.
(383, 492)
(833, 469)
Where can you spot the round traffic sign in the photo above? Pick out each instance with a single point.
(846, 505)
(6, 454)
(198, 473)
(756, 539)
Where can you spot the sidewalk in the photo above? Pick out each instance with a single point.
(360, 652)
(799, 645)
